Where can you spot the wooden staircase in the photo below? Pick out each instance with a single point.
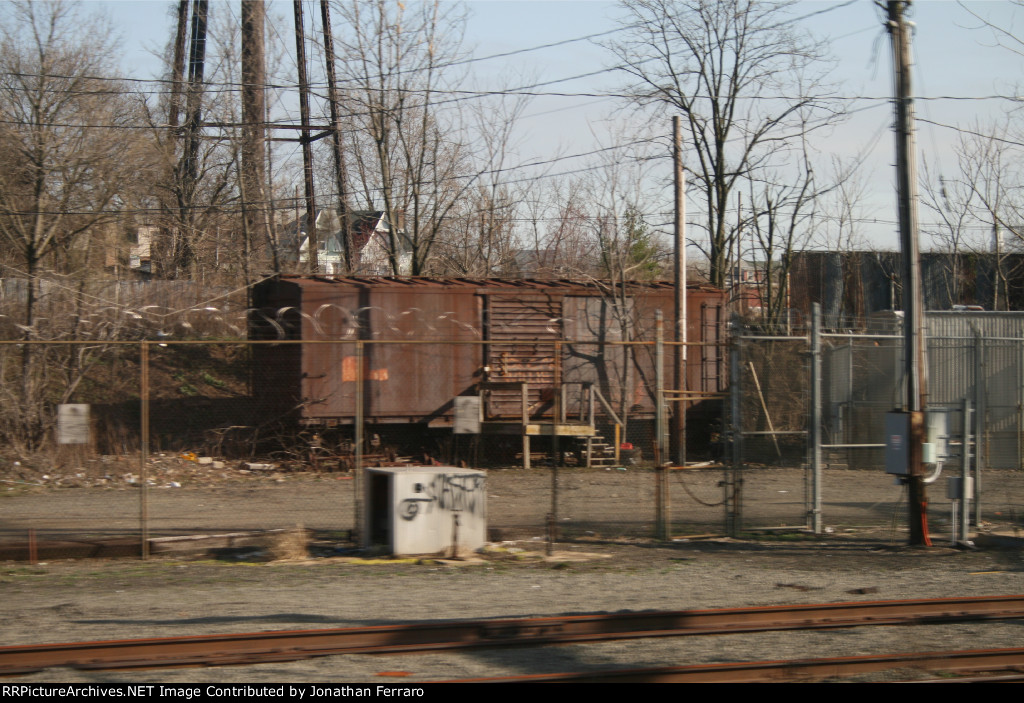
(602, 453)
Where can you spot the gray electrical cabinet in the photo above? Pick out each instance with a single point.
(897, 444)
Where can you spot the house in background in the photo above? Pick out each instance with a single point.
(128, 253)
(370, 244)
(140, 253)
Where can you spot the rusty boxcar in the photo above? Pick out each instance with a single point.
(418, 343)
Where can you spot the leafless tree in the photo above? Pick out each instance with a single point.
(71, 147)
(193, 181)
(556, 236)
(482, 235)
(994, 173)
(747, 80)
(782, 223)
(409, 153)
(952, 201)
(66, 134)
(480, 239)
(842, 209)
(980, 206)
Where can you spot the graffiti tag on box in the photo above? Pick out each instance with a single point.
(463, 493)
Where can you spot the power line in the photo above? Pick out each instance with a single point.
(972, 132)
(236, 86)
(526, 90)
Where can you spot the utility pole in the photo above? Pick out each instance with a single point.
(307, 145)
(915, 362)
(253, 171)
(679, 357)
(339, 153)
(178, 69)
(194, 102)
(183, 257)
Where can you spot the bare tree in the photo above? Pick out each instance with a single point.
(782, 224)
(993, 174)
(66, 135)
(482, 237)
(952, 201)
(980, 207)
(557, 238)
(193, 184)
(70, 151)
(746, 79)
(843, 208)
(409, 154)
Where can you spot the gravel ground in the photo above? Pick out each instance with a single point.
(67, 601)
(606, 564)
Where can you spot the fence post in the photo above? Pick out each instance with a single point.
(661, 447)
(556, 415)
(1020, 403)
(965, 471)
(733, 475)
(979, 421)
(556, 446)
(357, 440)
(144, 447)
(815, 428)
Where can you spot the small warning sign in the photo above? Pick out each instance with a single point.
(73, 423)
(467, 414)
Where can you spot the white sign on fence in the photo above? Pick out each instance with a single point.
(467, 414)
(73, 423)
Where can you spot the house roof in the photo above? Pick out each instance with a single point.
(364, 224)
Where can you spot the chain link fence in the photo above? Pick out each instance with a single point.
(227, 440)
(220, 440)
(771, 410)
(839, 419)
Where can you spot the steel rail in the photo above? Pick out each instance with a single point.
(287, 645)
(794, 670)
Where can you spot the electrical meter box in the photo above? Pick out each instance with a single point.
(425, 509)
(955, 488)
(897, 444)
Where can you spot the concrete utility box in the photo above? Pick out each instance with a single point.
(425, 509)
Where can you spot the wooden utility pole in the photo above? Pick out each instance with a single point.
(182, 259)
(307, 146)
(679, 320)
(339, 153)
(253, 171)
(178, 68)
(915, 362)
(194, 102)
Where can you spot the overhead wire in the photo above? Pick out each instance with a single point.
(529, 91)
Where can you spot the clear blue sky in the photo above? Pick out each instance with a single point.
(954, 56)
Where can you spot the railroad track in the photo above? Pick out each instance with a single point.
(977, 665)
(277, 646)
